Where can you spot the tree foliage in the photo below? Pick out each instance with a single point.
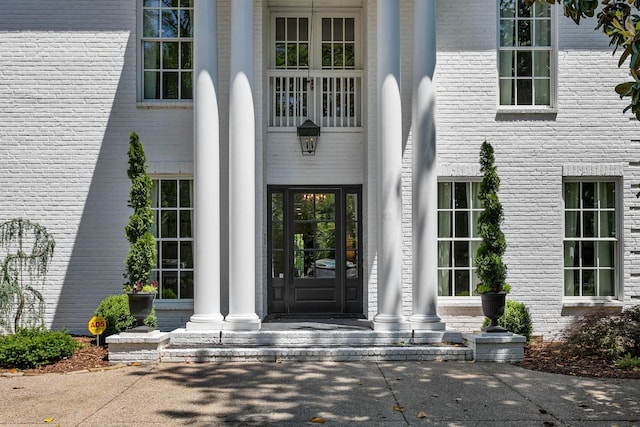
(142, 252)
(490, 269)
(617, 20)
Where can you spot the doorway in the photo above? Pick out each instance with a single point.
(314, 248)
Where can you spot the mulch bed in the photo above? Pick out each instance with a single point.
(558, 358)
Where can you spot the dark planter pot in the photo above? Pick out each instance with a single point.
(493, 308)
(140, 306)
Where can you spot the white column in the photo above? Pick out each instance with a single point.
(425, 174)
(389, 316)
(206, 301)
(242, 174)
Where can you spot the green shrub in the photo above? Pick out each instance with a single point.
(516, 319)
(627, 361)
(33, 347)
(600, 333)
(115, 310)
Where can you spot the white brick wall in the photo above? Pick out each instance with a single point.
(68, 85)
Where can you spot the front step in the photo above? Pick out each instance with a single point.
(313, 345)
(316, 354)
(311, 338)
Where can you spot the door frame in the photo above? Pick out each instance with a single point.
(280, 285)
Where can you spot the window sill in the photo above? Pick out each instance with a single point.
(459, 302)
(173, 304)
(596, 303)
(163, 105)
(511, 113)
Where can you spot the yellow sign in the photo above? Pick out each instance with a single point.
(97, 325)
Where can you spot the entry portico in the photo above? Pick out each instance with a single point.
(382, 226)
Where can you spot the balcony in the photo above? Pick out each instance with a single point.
(332, 99)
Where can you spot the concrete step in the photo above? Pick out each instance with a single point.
(311, 338)
(315, 354)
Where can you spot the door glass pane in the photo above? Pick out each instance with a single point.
(277, 235)
(276, 206)
(277, 265)
(303, 205)
(352, 207)
(325, 235)
(325, 206)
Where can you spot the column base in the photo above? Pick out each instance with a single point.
(205, 322)
(421, 322)
(238, 322)
(388, 322)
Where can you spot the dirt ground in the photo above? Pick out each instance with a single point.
(553, 357)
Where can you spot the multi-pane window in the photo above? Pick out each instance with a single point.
(172, 204)
(338, 43)
(292, 43)
(167, 49)
(458, 240)
(525, 55)
(591, 243)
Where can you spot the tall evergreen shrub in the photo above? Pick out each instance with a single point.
(491, 270)
(142, 252)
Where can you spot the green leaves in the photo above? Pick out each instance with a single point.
(142, 253)
(490, 269)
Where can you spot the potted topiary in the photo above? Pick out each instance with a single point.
(488, 261)
(142, 251)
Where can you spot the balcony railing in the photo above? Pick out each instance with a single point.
(329, 98)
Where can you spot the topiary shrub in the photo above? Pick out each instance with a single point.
(600, 333)
(516, 319)
(115, 310)
(33, 347)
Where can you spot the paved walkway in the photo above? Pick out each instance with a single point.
(291, 394)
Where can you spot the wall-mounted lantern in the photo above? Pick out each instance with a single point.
(309, 133)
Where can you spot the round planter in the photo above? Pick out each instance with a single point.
(140, 305)
(493, 308)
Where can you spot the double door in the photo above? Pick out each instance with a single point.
(314, 250)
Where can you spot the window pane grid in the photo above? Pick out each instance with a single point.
(591, 244)
(458, 241)
(525, 53)
(172, 204)
(167, 50)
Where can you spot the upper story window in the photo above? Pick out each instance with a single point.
(167, 49)
(591, 238)
(458, 239)
(315, 70)
(526, 56)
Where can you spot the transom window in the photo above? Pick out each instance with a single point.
(167, 49)
(591, 243)
(458, 239)
(526, 56)
(172, 204)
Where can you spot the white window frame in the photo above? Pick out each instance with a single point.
(553, 68)
(159, 270)
(474, 209)
(160, 102)
(617, 239)
(315, 36)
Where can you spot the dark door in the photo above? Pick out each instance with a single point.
(314, 251)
